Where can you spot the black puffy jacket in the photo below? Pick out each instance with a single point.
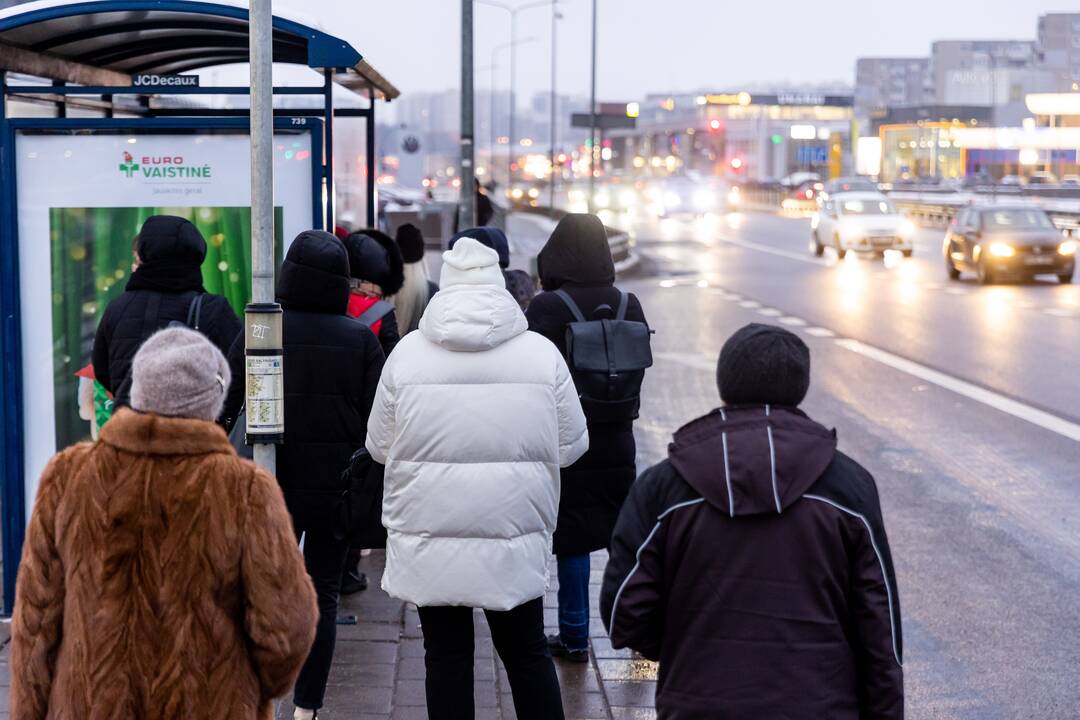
(332, 368)
(159, 292)
(577, 259)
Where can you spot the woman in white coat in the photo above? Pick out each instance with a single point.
(473, 418)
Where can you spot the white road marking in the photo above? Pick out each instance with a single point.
(792, 321)
(1058, 312)
(989, 398)
(734, 297)
(956, 291)
(776, 251)
(750, 304)
(820, 332)
(770, 312)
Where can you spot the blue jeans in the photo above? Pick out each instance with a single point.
(574, 601)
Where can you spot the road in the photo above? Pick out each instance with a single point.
(960, 399)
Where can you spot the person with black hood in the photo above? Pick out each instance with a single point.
(377, 272)
(518, 282)
(753, 561)
(332, 365)
(418, 288)
(165, 287)
(577, 260)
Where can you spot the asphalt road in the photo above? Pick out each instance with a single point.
(960, 399)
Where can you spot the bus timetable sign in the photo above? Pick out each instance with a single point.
(169, 81)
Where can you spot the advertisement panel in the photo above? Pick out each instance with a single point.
(81, 201)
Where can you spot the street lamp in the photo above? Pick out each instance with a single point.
(513, 12)
(494, 54)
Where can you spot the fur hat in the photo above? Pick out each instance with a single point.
(179, 373)
(763, 364)
(375, 257)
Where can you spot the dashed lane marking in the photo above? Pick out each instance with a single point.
(820, 332)
(750, 304)
(792, 321)
(770, 312)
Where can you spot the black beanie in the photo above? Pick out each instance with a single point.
(763, 364)
(411, 241)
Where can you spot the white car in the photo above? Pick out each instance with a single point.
(864, 222)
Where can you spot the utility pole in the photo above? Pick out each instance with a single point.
(264, 406)
(592, 117)
(467, 174)
(554, 100)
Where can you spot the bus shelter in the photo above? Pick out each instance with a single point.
(102, 124)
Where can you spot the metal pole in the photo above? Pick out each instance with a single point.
(513, 103)
(261, 48)
(328, 133)
(592, 116)
(372, 200)
(468, 191)
(554, 114)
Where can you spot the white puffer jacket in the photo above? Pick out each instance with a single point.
(473, 418)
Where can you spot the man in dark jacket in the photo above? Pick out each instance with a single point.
(518, 282)
(169, 253)
(332, 367)
(577, 259)
(753, 562)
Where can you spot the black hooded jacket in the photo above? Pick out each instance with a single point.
(753, 564)
(375, 257)
(169, 277)
(577, 258)
(332, 368)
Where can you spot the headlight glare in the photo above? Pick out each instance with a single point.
(1002, 249)
(1067, 248)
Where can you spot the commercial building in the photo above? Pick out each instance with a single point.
(1059, 50)
(753, 135)
(883, 83)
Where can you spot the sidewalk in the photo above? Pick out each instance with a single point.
(378, 670)
(379, 665)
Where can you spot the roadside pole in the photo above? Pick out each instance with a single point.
(592, 117)
(467, 217)
(262, 317)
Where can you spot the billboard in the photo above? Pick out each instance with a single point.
(81, 201)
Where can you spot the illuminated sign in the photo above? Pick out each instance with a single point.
(742, 98)
(803, 132)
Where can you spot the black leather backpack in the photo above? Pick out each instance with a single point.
(607, 355)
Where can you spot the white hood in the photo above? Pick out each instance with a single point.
(472, 318)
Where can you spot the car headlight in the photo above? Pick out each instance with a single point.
(907, 229)
(734, 197)
(1001, 249)
(602, 200)
(1067, 248)
(672, 200)
(703, 199)
(849, 229)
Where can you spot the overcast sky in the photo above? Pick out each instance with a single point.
(665, 45)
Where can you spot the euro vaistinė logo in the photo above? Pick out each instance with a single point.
(163, 167)
(129, 167)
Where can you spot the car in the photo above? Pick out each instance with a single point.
(1071, 180)
(860, 222)
(1042, 178)
(998, 241)
(1012, 181)
(846, 184)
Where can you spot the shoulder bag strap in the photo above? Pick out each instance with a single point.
(194, 312)
(569, 301)
(375, 313)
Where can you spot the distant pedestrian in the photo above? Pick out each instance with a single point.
(377, 272)
(577, 261)
(160, 576)
(473, 417)
(418, 289)
(519, 283)
(332, 365)
(485, 209)
(163, 289)
(753, 562)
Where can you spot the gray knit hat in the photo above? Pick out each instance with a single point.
(179, 373)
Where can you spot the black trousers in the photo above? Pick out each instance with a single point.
(518, 636)
(324, 558)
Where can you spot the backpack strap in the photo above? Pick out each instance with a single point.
(569, 301)
(624, 301)
(375, 313)
(194, 312)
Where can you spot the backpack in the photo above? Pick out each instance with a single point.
(607, 358)
(360, 514)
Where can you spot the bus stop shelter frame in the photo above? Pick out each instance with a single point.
(92, 52)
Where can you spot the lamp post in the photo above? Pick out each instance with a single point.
(592, 116)
(513, 12)
(555, 17)
(494, 55)
(468, 170)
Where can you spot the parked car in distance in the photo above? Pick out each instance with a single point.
(862, 222)
(1042, 178)
(846, 184)
(999, 241)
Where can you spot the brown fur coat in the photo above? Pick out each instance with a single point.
(160, 580)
